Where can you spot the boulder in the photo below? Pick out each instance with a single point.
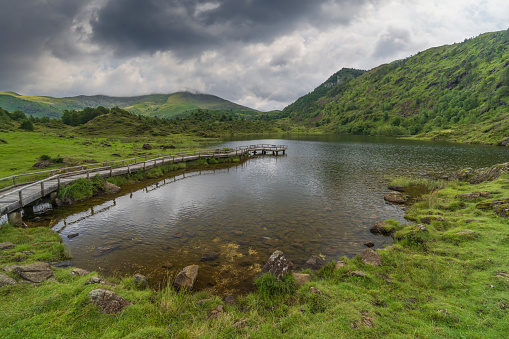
(186, 278)
(369, 244)
(395, 197)
(140, 281)
(10, 268)
(62, 264)
(370, 257)
(6, 280)
(97, 280)
(301, 278)
(209, 256)
(278, 265)
(73, 235)
(6, 245)
(111, 188)
(110, 302)
(315, 263)
(397, 188)
(504, 142)
(339, 264)
(146, 146)
(379, 227)
(35, 273)
(79, 272)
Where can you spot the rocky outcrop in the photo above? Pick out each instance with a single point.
(370, 257)
(395, 197)
(6, 245)
(278, 265)
(380, 227)
(480, 175)
(110, 302)
(315, 263)
(186, 278)
(473, 196)
(35, 273)
(6, 280)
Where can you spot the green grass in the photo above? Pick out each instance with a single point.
(432, 284)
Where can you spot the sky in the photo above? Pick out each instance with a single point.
(264, 54)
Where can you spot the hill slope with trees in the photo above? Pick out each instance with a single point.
(457, 92)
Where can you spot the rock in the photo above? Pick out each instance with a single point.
(278, 265)
(110, 188)
(502, 210)
(315, 263)
(209, 256)
(140, 281)
(177, 234)
(491, 204)
(146, 146)
(238, 233)
(503, 274)
(297, 245)
(301, 278)
(314, 290)
(79, 272)
(108, 248)
(107, 144)
(339, 264)
(395, 197)
(473, 196)
(168, 147)
(379, 227)
(191, 234)
(240, 323)
(97, 280)
(74, 235)
(504, 142)
(397, 188)
(62, 264)
(6, 280)
(10, 268)
(331, 250)
(35, 273)
(370, 257)
(168, 265)
(385, 277)
(6, 245)
(420, 228)
(358, 274)
(201, 302)
(42, 164)
(482, 174)
(229, 300)
(186, 278)
(217, 312)
(110, 302)
(369, 244)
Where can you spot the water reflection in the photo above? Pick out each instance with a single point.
(320, 198)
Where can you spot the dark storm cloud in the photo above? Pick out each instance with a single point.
(29, 28)
(190, 26)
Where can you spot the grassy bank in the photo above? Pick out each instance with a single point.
(439, 282)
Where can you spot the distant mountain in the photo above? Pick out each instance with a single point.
(155, 105)
(455, 92)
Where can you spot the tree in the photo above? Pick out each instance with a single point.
(26, 125)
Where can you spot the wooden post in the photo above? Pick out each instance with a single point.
(20, 199)
(14, 181)
(58, 182)
(111, 171)
(128, 169)
(88, 175)
(42, 188)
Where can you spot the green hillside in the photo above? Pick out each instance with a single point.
(457, 92)
(155, 105)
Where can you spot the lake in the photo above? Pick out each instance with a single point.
(319, 199)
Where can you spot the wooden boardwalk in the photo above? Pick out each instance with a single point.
(18, 195)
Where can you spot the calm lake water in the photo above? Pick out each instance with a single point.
(319, 198)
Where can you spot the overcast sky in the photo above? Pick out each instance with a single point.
(259, 53)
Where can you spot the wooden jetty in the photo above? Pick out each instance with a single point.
(14, 197)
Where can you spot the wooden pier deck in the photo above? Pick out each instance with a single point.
(18, 195)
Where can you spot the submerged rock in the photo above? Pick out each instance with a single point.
(111, 188)
(278, 265)
(379, 227)
(186, 278)
(397, 188)
(110, 302)
(369, 244)
(209, 256)
(140, 281)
